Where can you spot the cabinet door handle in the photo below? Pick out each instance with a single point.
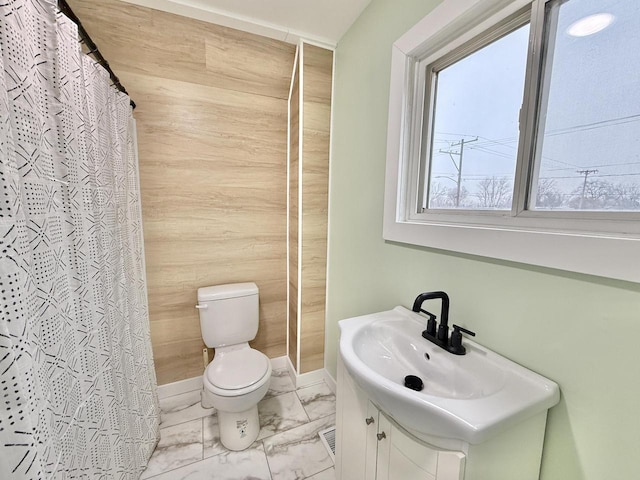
(369, 420)
(381, 436)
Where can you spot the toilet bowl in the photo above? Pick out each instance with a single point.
(238, 377)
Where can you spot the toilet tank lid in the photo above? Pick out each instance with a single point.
(233, 290)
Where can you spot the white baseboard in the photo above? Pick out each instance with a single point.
(292, 370)
(195, 383)
(310, 378)
(181, 386)
(279, 363)
(329, 380)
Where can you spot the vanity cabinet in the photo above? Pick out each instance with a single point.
(371, 446)
(399, 456)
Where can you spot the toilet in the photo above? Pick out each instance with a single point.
(238, 377)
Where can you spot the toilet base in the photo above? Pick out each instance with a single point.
(239, 430)
(206, 398)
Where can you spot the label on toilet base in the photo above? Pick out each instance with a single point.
(241, 425)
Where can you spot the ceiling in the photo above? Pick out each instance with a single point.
(320, 21)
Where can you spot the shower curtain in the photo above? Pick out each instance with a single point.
(77, 385)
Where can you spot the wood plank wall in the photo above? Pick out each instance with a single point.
(212, 136)
(316, 124)
(311, 93)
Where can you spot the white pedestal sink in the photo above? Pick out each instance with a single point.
(469, 398)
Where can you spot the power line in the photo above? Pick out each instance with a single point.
(494, 152)
(561, 131)
(597, 176)
(505, 155)
(593, 125)
(504, 142)
(480, 177)
(497, 142)
(469, 176)
(596, 166)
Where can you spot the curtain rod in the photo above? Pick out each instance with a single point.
(93, 48)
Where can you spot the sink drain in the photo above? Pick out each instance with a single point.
(413, 382)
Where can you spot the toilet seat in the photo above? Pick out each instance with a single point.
(237, 372)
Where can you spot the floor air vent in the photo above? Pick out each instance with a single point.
(328, 438)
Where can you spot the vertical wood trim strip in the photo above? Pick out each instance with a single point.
(293, 78)
(300, 206)
(326, 296)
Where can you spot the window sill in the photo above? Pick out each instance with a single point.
(604, 256)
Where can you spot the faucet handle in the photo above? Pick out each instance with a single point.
(457, 328)
(431, 323)
(456, 346)
(429, 314)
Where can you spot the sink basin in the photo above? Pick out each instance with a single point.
(470, 397)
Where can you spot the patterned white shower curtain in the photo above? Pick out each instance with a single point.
(77, 385)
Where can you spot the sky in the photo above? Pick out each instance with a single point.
(591, 120)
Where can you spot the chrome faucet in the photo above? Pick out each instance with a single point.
(440, 336)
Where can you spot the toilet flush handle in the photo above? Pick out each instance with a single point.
(202, 306)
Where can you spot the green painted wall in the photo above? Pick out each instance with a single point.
(580, 331)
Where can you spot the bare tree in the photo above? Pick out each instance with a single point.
(548, 195)
(494, 192)
(594, 195)
(438, 195)
(441, 196)
(627, 196)
(452, 197)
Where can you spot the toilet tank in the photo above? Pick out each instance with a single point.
(228, 314)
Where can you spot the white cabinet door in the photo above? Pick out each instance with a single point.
(352, 427)
(401, 457)
(371, 447)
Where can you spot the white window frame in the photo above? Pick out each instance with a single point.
(600, 243)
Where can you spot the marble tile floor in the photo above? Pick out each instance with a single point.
(288, 446)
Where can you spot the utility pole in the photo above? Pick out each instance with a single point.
(458, 165)
(586, 174)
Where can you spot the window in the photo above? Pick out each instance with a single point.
(587, 152)
(514, 133)
(472, 115)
